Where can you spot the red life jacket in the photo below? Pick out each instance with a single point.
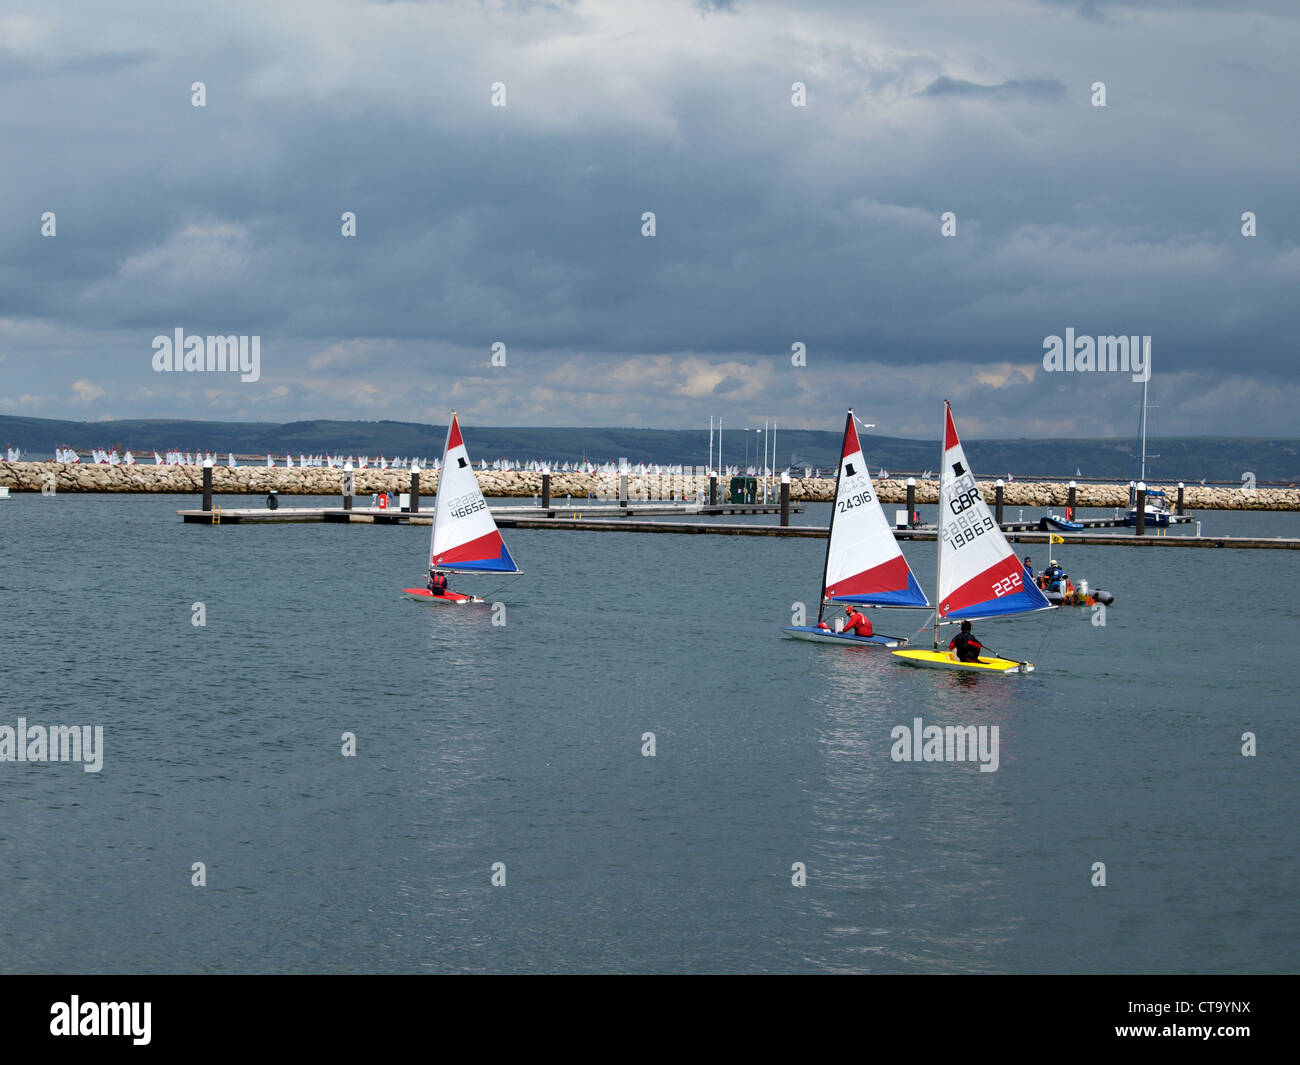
(857, 624)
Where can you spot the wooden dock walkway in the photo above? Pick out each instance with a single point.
(612, 513)
(922, 534)
(605, 518)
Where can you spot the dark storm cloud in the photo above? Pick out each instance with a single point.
(522, 224)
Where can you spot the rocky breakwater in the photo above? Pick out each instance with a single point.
(322, 481)
(1054, 494)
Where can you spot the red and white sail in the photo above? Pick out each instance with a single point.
(979, 575)
(465, 536)
(863, 561)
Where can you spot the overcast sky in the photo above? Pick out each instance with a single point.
(775, 224)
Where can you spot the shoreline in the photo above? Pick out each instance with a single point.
(323, 481)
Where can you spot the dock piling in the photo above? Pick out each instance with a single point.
(1180, 499)
(348, 486)
(998, 491)
(911, 500)
(415, 491)
(546, 491)
(207, 485)
(785, 499)
(1140, 525)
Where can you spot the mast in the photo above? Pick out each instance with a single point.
(938, 528)
(830, 529)
(1142, 469)
(442, 475)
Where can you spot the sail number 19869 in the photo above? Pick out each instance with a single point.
(965, 531)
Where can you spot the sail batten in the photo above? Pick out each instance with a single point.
(864, 563)
(465, 537)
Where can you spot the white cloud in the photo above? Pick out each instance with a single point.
(86, 392)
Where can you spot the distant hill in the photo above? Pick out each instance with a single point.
(1170, 459)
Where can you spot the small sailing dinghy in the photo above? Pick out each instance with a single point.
(864, 564)
(465, 537)
(979, 576)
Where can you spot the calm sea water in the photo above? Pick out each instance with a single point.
(522, 744)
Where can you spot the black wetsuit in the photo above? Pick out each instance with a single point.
(967, 647)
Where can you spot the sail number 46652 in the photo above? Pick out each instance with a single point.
(463, 506)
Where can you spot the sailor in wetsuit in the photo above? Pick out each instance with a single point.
(964, 643)
(856, 623)
(1054, 577)
(437, 582)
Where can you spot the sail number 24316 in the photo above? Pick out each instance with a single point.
(859, 500)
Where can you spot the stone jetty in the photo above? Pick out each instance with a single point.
(323, 481)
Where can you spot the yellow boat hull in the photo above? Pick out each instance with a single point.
(946, 660)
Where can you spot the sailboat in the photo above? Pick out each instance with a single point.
(864, 563)
(979, 576)
(1157, 507)
(465, 537)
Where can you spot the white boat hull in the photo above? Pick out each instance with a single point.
(815, 635)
